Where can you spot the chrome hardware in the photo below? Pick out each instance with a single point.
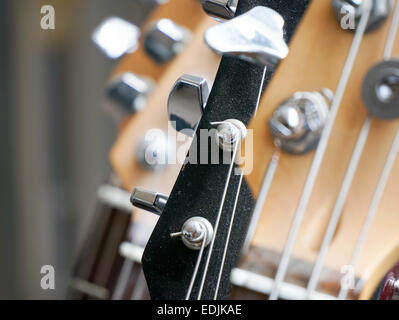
(147, 200)
(229, 133)
(116, 36)
(128, 92)
(396, 291)
(187, 102)
(220, 9)
(298, 122)
(165, 39)
(256, 36)
(194, 231)
(115, 197)
(153, 150)
(381, 90)
(154, 2)
(379, 12)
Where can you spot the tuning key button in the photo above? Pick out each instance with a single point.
(116, 36)
(187, 102)
(381, 90)
(298, 122)
(379, 12)
(128, 93)
(256, 36)
(153, 150)
(220, 9)
(149, 201)
(165, 39)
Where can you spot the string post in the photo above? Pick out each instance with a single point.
(229, 134)
(380, 10)
(194, 232)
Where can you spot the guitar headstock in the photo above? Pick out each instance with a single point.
(340, 229)
(214, 198)
(197, 242)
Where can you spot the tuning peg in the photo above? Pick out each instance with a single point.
(380, 11)
(154, 2)
(116, 36)
(381, 90)
(298, 122)
(150, 201)
(256, 36)
(128, 92)
(220, 9)
(187, 102)
(153, 150)
(165, 39)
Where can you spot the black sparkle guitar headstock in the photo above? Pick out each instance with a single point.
(199, 236)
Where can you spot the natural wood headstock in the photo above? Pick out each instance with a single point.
(123, 154)
(318, 53)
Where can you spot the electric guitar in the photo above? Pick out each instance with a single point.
(306, 215)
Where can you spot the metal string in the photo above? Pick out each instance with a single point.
(337, 212)
(216, 227)
(263, 194)
(228, 237)
(373, 208)
(197, 265)
(392, 33)
(320, 152)
(338, 208)
(223, 200)
(387, 168)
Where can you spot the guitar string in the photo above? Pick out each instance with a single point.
(216, 227)
(338, 207)
(228, 238)
(238, 192)
(352, 169)
(386, 172)
(392, 33)
(262, 197)
(224, 197)
(373, 209)
(197, 265)
(320, 152)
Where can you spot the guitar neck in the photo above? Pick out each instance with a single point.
(99, 263)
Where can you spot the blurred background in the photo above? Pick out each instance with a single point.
(54, 136)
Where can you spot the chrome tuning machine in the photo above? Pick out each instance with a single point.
(186, 103)
(298, 122)
(164, 40)
(128, 93)
(256, 36)
(353, 9)
(220, 9)
(149, 201)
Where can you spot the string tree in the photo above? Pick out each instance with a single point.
(256, 36)
(298, 122)
(381, 90)
(380, 10)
